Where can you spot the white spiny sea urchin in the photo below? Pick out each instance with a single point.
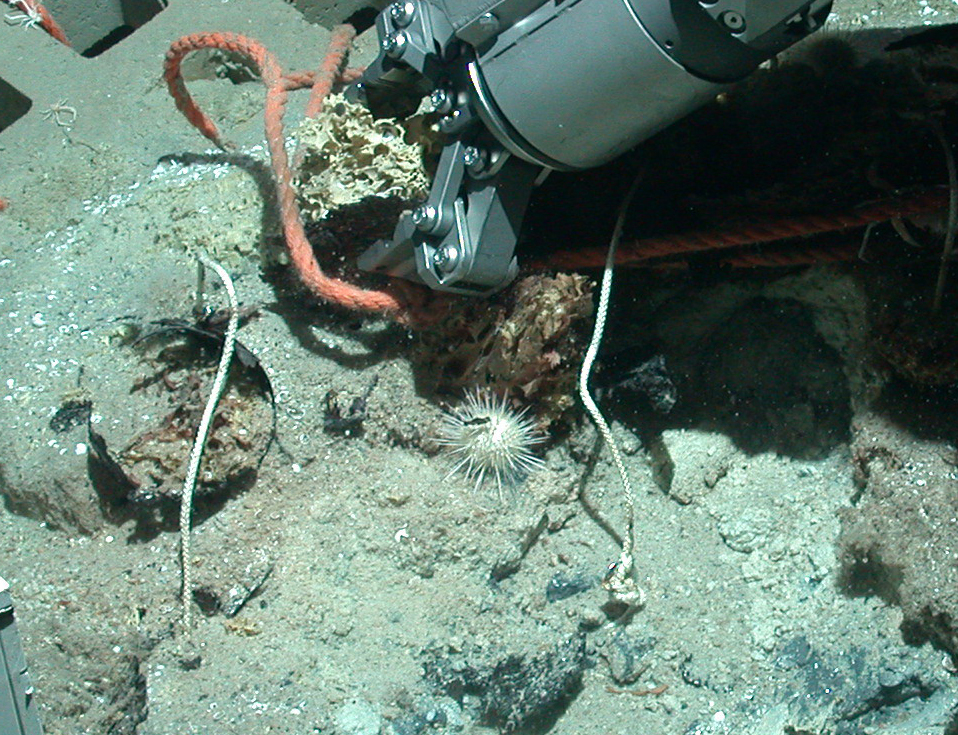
(489, 437)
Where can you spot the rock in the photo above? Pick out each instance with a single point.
(901, 541)
(626, 655)
(563, 586)
(49, 482)
(700, 459)
(516, 691)
(358, 717)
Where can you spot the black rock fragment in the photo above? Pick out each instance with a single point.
(563, 586)
(627, 655)
(518, 691)
(650, 379)
(72, 413)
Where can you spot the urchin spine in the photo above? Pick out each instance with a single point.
(489, 437)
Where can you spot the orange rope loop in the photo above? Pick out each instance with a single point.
(405, 302)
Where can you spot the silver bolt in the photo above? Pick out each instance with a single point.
(446, 258)
(425, 217)
(394, 44)
(475, 159)
(439, 99)
(402, 13)
(734, 21)
(471, 156)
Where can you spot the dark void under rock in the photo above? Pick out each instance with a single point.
(767, 378)
(71, 413)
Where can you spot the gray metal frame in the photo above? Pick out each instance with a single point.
(18, 710)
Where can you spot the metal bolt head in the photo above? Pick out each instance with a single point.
(425, 217)
(439, 99)
(394, 44)
(446, 258)
(402, 13)
(733, 20)
(475, 159)
(471, 156)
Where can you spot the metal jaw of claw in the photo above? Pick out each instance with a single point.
(524, 87)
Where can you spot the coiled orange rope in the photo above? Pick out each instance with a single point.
(401, 300)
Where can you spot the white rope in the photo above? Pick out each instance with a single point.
(199, 443)
(619, 581)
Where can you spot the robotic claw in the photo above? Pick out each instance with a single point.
(528, 86)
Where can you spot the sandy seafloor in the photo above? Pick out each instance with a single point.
(380, 563)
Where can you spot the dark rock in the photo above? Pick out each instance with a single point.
(650, 379)
(563, 586)
(882, 688)
(518, 690)
(626, 655)
(410, 725)
(431, 715)
(794, 654)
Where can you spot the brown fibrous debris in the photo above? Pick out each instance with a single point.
(525, 344)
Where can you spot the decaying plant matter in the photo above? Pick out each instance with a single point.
(525, 345)
(144, 478)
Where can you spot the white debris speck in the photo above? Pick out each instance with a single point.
(37, 320)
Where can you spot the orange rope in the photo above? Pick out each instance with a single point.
(760, 230)
(407, 302)
(780, 258)
(332, 68)
(47, 22)
(404, 301)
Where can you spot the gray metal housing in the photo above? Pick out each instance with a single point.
(18, 710)
(572, 100)
(524, 87)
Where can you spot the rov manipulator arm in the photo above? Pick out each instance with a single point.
(524, 87)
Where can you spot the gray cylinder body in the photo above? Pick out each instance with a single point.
(583, 85)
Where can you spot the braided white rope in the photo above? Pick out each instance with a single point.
(619, 581)
(202, 433)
